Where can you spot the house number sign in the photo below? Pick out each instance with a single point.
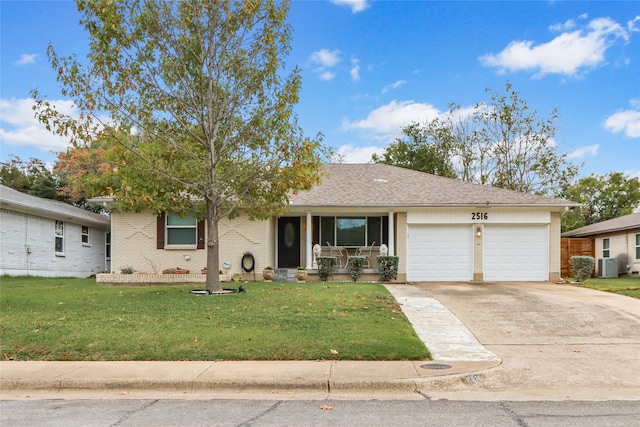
(478, 216)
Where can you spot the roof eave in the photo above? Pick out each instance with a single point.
(61, 216)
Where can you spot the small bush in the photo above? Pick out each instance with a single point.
(326, 267)
(356, 264)
(582, 267)
(127, 270)
(388, 267)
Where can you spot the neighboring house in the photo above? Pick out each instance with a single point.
(441, 229)
(617, 238)
(42, 237)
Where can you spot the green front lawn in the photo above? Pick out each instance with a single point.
(629, 286)
(76, 319)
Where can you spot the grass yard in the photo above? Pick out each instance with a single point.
(629, 286)
(76, 319)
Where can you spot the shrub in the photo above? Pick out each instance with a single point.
(582, 267)
(326, 267)
(388, 267)
(356, 264)
(127, 270)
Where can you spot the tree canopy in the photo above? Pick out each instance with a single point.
(31, 177)
(193, 106)
(501, 143)
(602, 198)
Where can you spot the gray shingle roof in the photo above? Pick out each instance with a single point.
(11, 199)
(627, 222)
(376, 184)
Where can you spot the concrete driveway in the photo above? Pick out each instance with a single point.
(556, 341)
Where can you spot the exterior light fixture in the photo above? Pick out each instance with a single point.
(478, 231)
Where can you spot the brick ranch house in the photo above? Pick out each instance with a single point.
(47, 238)
(441, 229)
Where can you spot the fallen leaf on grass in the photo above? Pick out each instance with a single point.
(334, 351)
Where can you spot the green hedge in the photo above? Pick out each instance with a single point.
(388, 267)
(326, 267)
(582, 267)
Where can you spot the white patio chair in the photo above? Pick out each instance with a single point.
(336, 251)
(366, 252)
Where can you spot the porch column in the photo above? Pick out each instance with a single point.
(391, 243)
(309, 243)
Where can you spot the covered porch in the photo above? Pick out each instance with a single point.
(334, 233)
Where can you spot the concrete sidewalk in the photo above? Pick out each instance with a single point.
(456, 352)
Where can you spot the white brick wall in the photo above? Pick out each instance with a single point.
(133, 240)
(21, 233)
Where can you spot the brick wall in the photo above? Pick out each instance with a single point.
(133, 241)
(27, 247)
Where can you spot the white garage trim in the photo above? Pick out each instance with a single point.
(439, 252)
(516, 252)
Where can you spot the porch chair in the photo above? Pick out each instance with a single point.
(366, 252)
(336, 251)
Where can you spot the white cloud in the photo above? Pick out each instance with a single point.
(355, 70)
(350, 154)
(586, 151)
(389, 119)
(627, 121)
(394, 85)
(355, 5)
(568, 25)
(325, 57)
(19, 128)
(26, 59)
(569, 53)
(327, 75)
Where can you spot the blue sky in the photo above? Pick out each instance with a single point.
(370, 67)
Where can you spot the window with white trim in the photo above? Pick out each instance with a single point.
(85, 235)
(606, 251)
(638, 246)
(59, 238)
(181, 230)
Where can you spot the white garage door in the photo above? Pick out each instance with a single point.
(516, 253)
(440, 253)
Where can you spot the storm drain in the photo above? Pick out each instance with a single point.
(435, 366)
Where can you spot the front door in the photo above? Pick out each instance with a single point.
(288, 242)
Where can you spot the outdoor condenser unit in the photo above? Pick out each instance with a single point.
(608, 267)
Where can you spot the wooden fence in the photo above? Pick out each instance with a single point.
(574, 247)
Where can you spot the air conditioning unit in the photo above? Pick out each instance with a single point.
(608, 267)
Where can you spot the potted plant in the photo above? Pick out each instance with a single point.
(268, 273)
(181, 271)
(204, 270)
(301, 274)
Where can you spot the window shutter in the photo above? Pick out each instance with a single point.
(201, 234)
(160, 231)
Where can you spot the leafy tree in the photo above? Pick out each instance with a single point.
(602, 198)
(200, 108)
(417, 150)
(85, 171)
(30, 177)
(501, 143)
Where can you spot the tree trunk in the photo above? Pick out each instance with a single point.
(213, 248)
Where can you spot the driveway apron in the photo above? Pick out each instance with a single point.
(556, 341)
